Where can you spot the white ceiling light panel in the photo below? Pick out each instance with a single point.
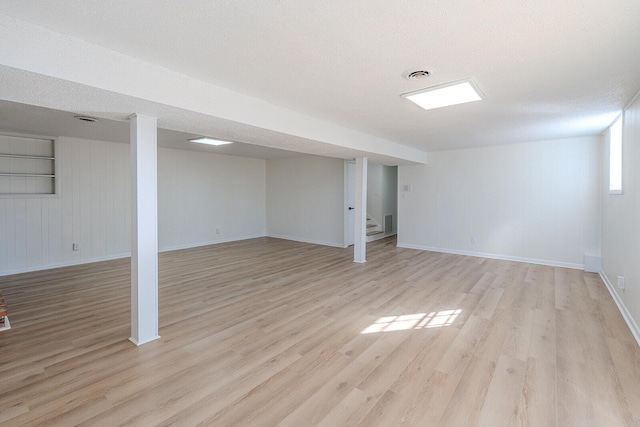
(445, 95)
(210, 141)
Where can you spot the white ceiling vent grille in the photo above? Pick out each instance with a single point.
(417, 74)
(86, 119)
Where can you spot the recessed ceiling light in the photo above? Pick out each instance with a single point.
(210, 141)
(446, 95)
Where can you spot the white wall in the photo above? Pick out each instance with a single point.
(197, 192)
(200, 192)
(621, 221)
(382, 189)
(305, 199)
(390, 202)
(375, 192)
(537, 202)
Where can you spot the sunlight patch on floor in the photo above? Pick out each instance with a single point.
(435, 319)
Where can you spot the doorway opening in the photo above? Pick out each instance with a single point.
(382, 201)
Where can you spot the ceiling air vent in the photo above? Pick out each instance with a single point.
(86, 119)
(417, 74)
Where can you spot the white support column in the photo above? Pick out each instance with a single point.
(144, 229)
(360, 241)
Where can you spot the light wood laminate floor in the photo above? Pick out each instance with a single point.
(269, 332)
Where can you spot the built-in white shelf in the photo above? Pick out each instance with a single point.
(23, 156)
(41, 175)
(27, 166)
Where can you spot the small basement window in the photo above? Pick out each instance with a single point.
(615, 157)
(27, 166)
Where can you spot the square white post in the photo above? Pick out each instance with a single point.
(360, 240)
(144, 229)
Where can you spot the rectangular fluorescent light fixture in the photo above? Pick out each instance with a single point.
(210, 141)
(445, 95)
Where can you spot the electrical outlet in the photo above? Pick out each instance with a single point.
(621, 282)
(473, 240)
(217, 231)
(76, 246)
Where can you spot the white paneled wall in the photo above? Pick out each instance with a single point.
(305, 199)
(198, 192)
(92, 210)
(537, 202)
(621, 220)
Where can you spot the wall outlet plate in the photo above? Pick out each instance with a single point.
(621, 282)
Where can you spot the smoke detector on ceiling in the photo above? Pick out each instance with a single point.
(417, 74)
(86, 119)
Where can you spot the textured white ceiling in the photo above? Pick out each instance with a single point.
(548, 68)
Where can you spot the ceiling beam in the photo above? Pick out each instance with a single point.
(57, 71)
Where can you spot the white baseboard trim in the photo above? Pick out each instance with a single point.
(139, 343)
(494, 256)
(633, 326)
(380, 236)
(208, 243)
(314, 242)
(64, 264)
(119, 256)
